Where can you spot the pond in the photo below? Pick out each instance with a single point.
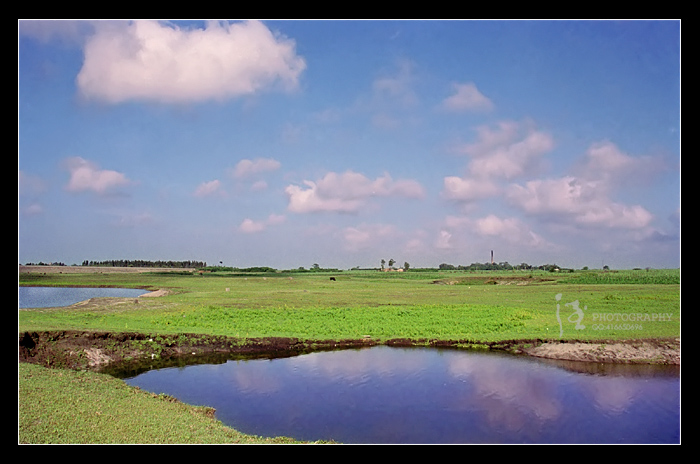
(387, 395)
(51, 297)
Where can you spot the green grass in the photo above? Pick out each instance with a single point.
(69, 407)
(486, 306)
(630, 277)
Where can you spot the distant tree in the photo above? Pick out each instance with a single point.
(406, 266)
(383, 263)
(391, 262)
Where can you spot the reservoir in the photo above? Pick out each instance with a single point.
(387, 395)
(50, 297)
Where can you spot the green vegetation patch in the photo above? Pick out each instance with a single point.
(629, 277)
(310, 306)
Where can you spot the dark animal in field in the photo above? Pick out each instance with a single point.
(333, 279)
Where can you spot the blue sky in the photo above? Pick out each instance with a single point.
(341, 143)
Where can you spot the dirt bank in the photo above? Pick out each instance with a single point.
(631, 351)
(97, 350)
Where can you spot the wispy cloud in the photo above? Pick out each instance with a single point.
(30, 185)
(152, 61)
(210, 188)
(397, 86)
(466, 97)
(366, 236)
(246, 168)
(63, 31)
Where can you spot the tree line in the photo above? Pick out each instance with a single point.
(146, 263)
(202, 265)
(503, 266)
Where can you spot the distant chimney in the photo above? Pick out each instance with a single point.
(491, 256)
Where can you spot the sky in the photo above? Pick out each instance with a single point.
(342, 143)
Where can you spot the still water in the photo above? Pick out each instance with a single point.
(50, 297)
(424, 395)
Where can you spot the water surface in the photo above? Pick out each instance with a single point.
(50, 297)
(425, 395)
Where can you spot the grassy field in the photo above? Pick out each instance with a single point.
(62, 406)
(487, 306)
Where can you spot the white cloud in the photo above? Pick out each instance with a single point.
(467, 98)
(86, 176)
(509, 229)
(250, 226)
(584, 202)
(347, 192)
(509, 151)
(585, 199)
(617, 215)
(307, 201)
(605, 162)
(444, 240)
(247, 168)
(147, 60)
(209, 188)
(457, 188)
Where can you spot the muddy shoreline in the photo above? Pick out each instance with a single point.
(84, 350)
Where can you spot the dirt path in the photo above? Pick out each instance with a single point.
(161, 292)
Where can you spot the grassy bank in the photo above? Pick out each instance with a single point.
(63, 406)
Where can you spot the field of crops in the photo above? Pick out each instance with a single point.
(632, 277)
